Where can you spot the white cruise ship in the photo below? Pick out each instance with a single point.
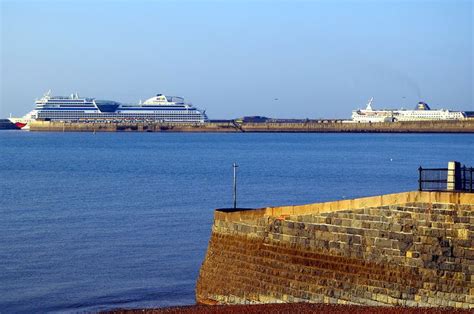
(159, 108)
(422, 112)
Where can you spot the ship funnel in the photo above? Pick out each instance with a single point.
(422, 106)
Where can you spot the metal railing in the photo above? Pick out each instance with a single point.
(444, 179)
(467, 183)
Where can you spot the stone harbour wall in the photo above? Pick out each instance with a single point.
(463, 126)
(406, 249)
(56, 126)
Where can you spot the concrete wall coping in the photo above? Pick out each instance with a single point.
(458, 198)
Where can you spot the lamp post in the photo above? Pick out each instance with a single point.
(234, 165)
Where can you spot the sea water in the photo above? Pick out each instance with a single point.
(102, 221)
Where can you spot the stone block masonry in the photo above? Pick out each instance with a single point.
(406, 249)
(461, 126)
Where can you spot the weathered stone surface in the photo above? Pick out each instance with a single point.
(408, 254)
(463, 126)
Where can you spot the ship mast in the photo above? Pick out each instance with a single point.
(369, 104)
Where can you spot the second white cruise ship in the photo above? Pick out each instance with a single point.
(159, 108)
(422, 112)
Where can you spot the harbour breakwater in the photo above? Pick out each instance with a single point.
(321, 126)
(406, 249)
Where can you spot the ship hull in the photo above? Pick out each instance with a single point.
(20, 123)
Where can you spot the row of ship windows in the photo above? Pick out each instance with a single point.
(113, 116)
(430, 118)
(122, 117)
(58, 107)
(77, 103)
(157, 112)
(426, 113)
(431, 115)
(126, 117)
(114, 113)
(407, 119)
(74, 112)
(412, 116)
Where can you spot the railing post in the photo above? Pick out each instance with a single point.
(419, 178)
(470, 185)
(234, 165)
(454, 176)
(463, 181)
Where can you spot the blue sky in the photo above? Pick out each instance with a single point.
(235, 58)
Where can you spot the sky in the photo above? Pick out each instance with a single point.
(282, 59)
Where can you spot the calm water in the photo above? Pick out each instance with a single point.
(117, 220)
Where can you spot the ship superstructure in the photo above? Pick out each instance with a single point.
(73, 108)
(422, 112)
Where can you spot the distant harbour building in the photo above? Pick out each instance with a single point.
(159, 108)
(252, 119)
(422, 112)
